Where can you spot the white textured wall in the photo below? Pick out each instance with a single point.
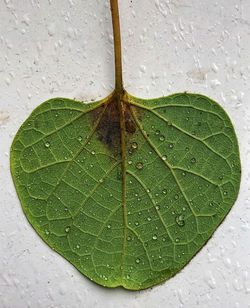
(64, 48)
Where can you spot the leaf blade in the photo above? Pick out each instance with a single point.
(150, 238)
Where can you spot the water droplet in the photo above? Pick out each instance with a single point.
(149, 219)
(177, 240)
(176, 196)
(77, 246)
(157, 132)
(162, 138)
(139, 165)
(109, 226)
(47, 144)
(154, 237)
(137, 223)
(93, 152)
(137, 261)
(79, 138)
(130, 162)
(224, 192)
(129, 238)
(184, 173)
(193, 160)
(164, 191)
(171, 145)
(134, 145)
(67, 229)
(47, 232)
(157, 207)
(180, 220)
(164, 157)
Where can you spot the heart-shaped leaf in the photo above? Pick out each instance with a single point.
(127, 190)
(128, 195)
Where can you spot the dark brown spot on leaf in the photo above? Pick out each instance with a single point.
(109, 129)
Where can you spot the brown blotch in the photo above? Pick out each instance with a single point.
(109, 130)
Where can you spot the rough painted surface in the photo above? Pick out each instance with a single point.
(210, 56)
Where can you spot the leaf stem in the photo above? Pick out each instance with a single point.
(117, 46)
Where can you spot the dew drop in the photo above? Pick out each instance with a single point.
(47, 232)
(171, 145)
(109, 226)
(129, 238)
(164, 191)
(177, 240)
(139, 165)
(157, 207)
(193, 160)
(149, 219)
(79, 138)
(176, 196)
(130, 162)
(67, 229)
(134, 145)
(164, 157)
(137, 261)
(77, 246)
(47, 144)
(162, 138)
(180, 220)
(224, 192)
(93, 152)
(154, 237)
(137, 223)
(157, 132)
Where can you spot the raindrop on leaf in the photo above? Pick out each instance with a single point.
(139, 165)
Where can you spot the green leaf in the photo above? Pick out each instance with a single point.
(127, 192)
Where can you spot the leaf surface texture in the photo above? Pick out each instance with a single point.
(128, 203)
